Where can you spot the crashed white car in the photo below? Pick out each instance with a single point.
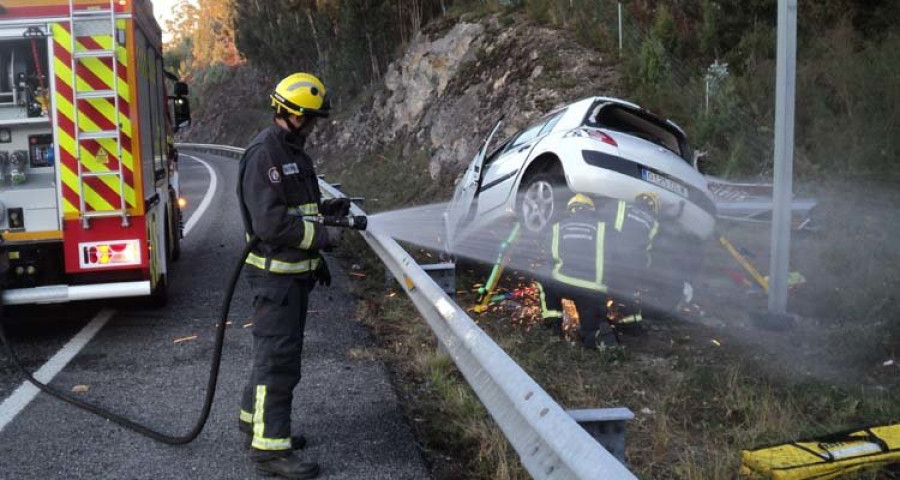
(599, 146)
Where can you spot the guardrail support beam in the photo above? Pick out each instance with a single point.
(606, 425)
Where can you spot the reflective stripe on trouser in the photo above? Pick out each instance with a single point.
(551, 305)
(279, 319)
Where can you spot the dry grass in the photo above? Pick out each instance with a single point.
(697, 405)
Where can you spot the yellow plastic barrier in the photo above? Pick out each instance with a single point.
(824, 458)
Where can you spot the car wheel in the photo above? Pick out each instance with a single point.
(540, 201)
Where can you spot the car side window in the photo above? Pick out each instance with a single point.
(496, 153)
(551, 123)
(526, 136)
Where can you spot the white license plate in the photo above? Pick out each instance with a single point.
(664, 182)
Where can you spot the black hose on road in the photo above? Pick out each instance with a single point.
(125, 422)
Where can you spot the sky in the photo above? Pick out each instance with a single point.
(163, 9)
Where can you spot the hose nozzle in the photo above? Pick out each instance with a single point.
(355, 222)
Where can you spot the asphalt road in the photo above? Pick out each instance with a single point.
(345, 406)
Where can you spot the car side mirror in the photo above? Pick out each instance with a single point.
(181, 89)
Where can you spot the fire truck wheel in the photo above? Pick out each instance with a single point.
(159, 296)
(174, 226)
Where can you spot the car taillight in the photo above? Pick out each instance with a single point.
(110, 254)
(583, 132)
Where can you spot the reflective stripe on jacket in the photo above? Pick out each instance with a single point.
(277, 187)
(590, 249)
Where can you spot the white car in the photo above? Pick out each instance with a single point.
(599, 146)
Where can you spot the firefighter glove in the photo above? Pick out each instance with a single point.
(323, 274)
(339, 207)
(331, 238)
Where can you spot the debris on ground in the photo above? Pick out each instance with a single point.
(185, 339)
(80, 389)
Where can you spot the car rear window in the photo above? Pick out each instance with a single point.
(626, 120)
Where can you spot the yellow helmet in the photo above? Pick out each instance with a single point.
(301, 94)
(580, 201)
(648, 201)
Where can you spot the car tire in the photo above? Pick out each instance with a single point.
(541, 200)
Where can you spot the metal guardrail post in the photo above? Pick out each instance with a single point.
(549, 442)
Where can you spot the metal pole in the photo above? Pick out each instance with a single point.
(621, 43)
(707, 94)
(784, 155)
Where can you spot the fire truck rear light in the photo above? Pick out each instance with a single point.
(110, 254)
(182, 202)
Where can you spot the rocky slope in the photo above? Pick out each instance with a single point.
(411, 134)
(421, 126)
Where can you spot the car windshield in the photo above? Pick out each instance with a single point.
(626, 120)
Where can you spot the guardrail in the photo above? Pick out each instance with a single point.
(550, 444)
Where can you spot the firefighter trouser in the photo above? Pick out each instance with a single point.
(279, 318)
(590, 304)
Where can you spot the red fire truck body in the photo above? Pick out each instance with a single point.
(88, 177)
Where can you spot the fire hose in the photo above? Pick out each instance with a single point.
(352, 222)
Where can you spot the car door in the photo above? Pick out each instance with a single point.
(460, 208)
(501, 173)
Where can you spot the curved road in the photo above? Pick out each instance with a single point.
(346, 407)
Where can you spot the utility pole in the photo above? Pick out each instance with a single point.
(621, 42)
(785, 83)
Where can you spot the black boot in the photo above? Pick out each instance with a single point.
(290, 467)
(298, 441)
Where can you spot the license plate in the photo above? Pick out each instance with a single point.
(664, 182)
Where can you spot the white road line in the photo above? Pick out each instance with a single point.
(26, 392)
(207, 198)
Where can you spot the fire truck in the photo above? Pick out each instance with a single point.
(88, 169)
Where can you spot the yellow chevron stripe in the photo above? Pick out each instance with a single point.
(95, 65)
(69, 209)
(102, 106)
(88, 160)
(109, 144)
(91, 197)
(91, 164)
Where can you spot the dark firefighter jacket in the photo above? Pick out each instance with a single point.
(277, 186)
(591, 250)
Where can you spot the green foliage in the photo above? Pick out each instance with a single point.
(664, 28)
(540, 10)
(348, 42)
(708, 31)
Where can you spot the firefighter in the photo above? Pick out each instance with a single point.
(598, 252)
(277, 186)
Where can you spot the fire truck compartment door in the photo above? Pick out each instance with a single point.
(38, 201)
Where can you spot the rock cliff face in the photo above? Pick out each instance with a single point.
(429, 116)
(409, 137)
